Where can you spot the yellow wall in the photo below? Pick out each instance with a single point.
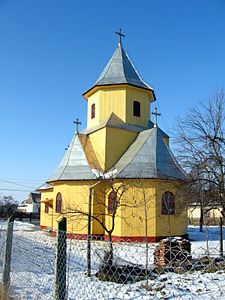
(98, 141)
(46, 219)
(119, 100)
(93, 99)
(117, 142)
(139, 206)
(75, 195)
(109, 144)
(140, 95)
(170, 224)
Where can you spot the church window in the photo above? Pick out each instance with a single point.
(136, 109)
(93, 111)
(112, 202)
(46, 208)
(168, 204)
(58, 206)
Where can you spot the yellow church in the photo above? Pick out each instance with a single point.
(118, 175)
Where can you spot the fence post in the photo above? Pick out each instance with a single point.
(60, 264)
(221, 236)
(7, 258)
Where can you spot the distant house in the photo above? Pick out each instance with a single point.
(211, 213)
(32, 204)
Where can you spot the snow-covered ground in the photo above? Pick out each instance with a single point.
(33, 260)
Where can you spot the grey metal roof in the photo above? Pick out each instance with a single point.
(149, 157)
(74, 165)
(115, 122)
(151, 125)
(120, 70)
(44, 186)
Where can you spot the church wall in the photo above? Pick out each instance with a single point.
(170, 224)
(98, 141)
(93, 99)
(75, 197)
(136, 210)
(46, 219)
(106, 100)
(112, 99)
(117, 142)
(142, 96)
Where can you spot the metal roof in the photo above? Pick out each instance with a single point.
(149, 157)
(114, 121)
(44, 186)
(120, 70)
(74, 165)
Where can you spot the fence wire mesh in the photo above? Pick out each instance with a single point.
(123, 270)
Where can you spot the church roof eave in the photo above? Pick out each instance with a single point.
(74, 165)
(149, 157)
(113, 84)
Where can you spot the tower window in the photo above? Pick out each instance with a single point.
(93, 111)
(58, 206)
(168, 204)
(112, 203)
(136, 109)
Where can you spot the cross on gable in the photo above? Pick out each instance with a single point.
(156, 114)
(120, 35)
(77, 122)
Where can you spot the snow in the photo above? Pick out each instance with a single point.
(33, 260)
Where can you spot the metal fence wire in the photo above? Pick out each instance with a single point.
(43, 266)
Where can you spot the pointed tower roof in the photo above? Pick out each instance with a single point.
(149, 157)
(74, 165)
(120, 70)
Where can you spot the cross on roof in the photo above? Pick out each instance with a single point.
(77, 122)
(156, 114)
(120, 35)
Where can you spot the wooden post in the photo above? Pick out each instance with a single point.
(221, 236)
(7, 258)
(60, 265)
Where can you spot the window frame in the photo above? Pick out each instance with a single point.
(168, 203)
(112, 203)
(93, 111)
(136, 108)
(58, 203)
(46, 208)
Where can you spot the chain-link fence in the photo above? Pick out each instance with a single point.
(47, 267)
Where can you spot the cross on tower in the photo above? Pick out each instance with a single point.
(77, 122)
(156, 114)
(120, 35)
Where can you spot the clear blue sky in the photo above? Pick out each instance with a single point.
(51, 51)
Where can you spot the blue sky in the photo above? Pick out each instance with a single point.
(51, 51)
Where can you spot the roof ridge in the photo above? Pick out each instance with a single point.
(69, 154)
(133, 145)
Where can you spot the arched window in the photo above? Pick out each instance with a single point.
(136, 109)
(112, 202)
(93, 111)
(58, 205)
(168, 204)
(46, 208)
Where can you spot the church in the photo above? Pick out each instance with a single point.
(118, 175)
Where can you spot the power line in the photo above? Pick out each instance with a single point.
(22, 179)
(15, 190)
(11, 182)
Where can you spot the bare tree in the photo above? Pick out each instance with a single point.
(201, 152)
(8, 204)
